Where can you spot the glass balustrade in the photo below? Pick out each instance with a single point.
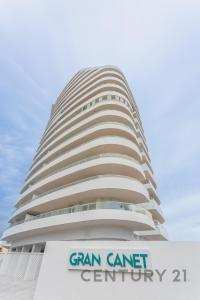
(89, 159)
(85, 207)
(34, 197)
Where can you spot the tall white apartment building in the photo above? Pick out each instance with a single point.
(91, 177)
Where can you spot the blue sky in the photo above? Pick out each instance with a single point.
(156, 44)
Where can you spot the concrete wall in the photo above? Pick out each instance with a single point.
(180, 280)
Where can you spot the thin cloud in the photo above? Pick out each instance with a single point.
(157, 47)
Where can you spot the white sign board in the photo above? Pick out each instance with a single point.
(174, 271)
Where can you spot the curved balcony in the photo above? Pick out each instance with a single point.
(101, 81)
(111, 70)
(114, 75)
(120, 104)
(158, 234)
(149, 174)
(96, 165)
(83, 84)
(145, 160)
(152, 192)
(83, 121)
(78, 93)
(102, 145)
(87, 81)
(102, 186)
(79, 113)
(105, 117)
(103, 88)
(107, 213)
(86, 75)
(98, 130)
(155, 210)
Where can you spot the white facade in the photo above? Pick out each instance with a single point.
(91, 177)
(175, 268)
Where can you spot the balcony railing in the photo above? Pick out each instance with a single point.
(34, 197)
(83, 107)
(156, 206)
(83, 161)
(85, 207)
(46, 151)
(161, 229)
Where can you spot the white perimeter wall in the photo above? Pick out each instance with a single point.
(57, 282)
